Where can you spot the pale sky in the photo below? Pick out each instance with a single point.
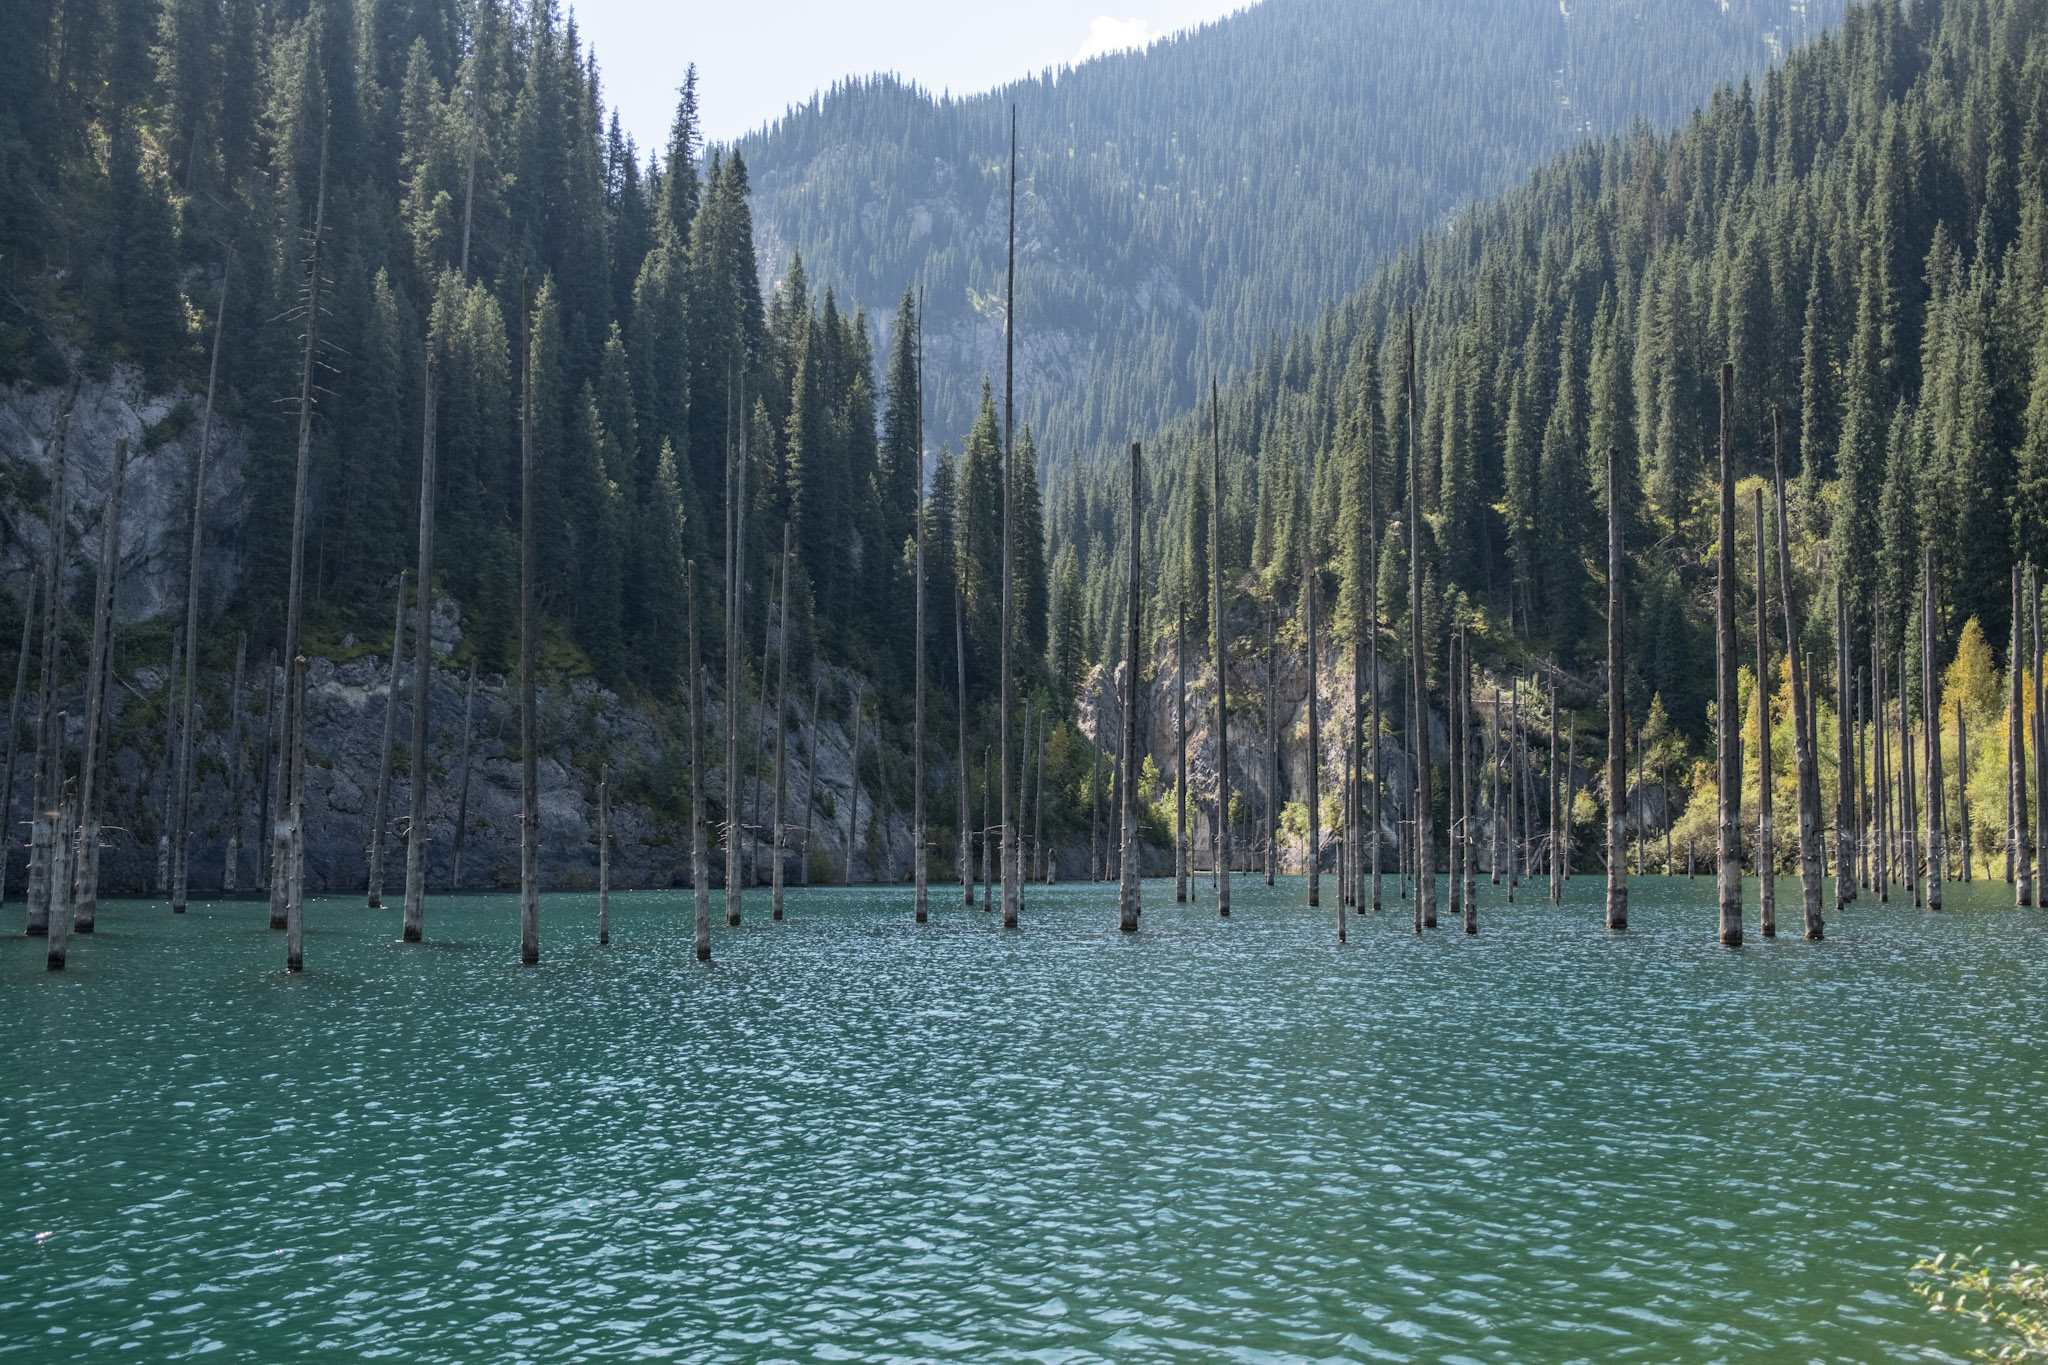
(756, 59)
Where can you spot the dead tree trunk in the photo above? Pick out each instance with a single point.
(1418, 664)
(294, 870)
(231, 864)
(65, 821)
(28, 619)
(735, 666)
(988, 867)
(2039, 823)
(529, 664)
(1180, 745)
(1766, 840)
(1845, 803)
(188, 731)
(700, 861)
(1039, 871)
(1372, 661)
(1555, 866)
(1727, 698)
(49, 769)
(461, 836)
(1315, 732)
(1454, 791)
(853, 785)
(1909, 789)
(1805, 740)
(170, 769)
(1880, 768)
(777, 877)
(1564, 815)
(1010, 475)
(1930, 710)
(604, 855)
(285, 911)
(1467, 779)
(1354, 886)
(2019, 857)
(1095, 817)
(1617, 709)
(1963, 788)
(1220, 648)
(414, 919)
(811, 776)
(86, 892)
(1023, 786)
(918, 835)
(1127, 900)
(379, 807)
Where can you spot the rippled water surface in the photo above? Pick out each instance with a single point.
(855, 1138)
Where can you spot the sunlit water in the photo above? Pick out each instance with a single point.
(855, 1138)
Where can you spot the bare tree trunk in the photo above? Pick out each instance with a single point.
(65, 821)
(960, 794)
(422, 677)
(1909, 790)
(1571, 795)
(700, 861)
(2019, 856)
(1039, 870)
(1095, 818)
(1930, 711)
(777, 875)
(1354, 886)
(1005, 704)
(1494, 803)
(1728, 698)
(1963, 788)
(919, 837)
(230, 865)
(811, 776)
(1880, 768)
(379, 807)
(1418, 664)
(49, 769)
(1846, 842)
(1805, 740)
(853, 785)
(529, 663)
(1315, 731)
(1127, 901)
(1553, 865)
(294, 844)
(1180, 743)
(1617, 709)
(1518, 826)
(1271, 831)
(1023, 788)
(188, 731)
(1220, 648)
(735, 666)
(171, 716)
(86, 863)
(988, 866)
(1766, 837)
(7, 836)
(604, 855)
(269, 762)
(2039, 823)
(1466, 779)
(285, 912)
(461, 835)
(1454, 792)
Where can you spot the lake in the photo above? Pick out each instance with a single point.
(851, 1137)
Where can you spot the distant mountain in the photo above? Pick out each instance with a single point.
(1178, 207)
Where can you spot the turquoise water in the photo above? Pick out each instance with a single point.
(855, 1138)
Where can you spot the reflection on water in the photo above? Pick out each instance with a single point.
(854, 1138)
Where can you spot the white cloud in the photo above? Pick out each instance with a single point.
(1106, 35)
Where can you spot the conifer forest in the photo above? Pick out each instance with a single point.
(1129, 717)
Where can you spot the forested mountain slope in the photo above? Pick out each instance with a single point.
(1179, 207)
(1864, 236)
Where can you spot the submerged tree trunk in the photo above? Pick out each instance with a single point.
(988, 870)
(1372, 661)
(231, 863)
(1454, 786)
(1930, 712)
(65, 821)
(1845, 838)
(1963, 789)
(1127, 900)
(2039, 822)
(700, 862)
(1727, 696)
(379, 808)
(919, 837)
(777, 875)
(1220, 648)
(1466, 780)
(49, 769)
(735, 666)
(1270, 833)
(529, 663)
(1315, 732)
(1555, 865)
(170, 768)
(1418, 665)
(1180, 746)
(1766, 840)
(414, 915)
(961, 797)
(853, 786)
(1805, 739)
(28, 619)
(98, 704)
(2019, 857)
(294, 845)
(1617, 709)
(1010, 475)
(604, 854)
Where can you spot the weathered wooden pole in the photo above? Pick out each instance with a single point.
(188, 730)
(2019, 857)
(960, 794)
(28, 619)
(285, 843)
(1127, 791)
(1315, 730)
(853, 785)
(918, 835)
(414, 914)
(777, 877)
(1846, 842)
(455, 845)
(1219, 648)
(49, 769)
(529, 660)
(1766, 840)
(65, 821)
(1180, 744)
(604, 854)
(98, 704)
(1617, 708)
(1728, 696)
(379, 807)
(1930, 713)
(1418, 661)
(700, 860)
(1010, 475)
